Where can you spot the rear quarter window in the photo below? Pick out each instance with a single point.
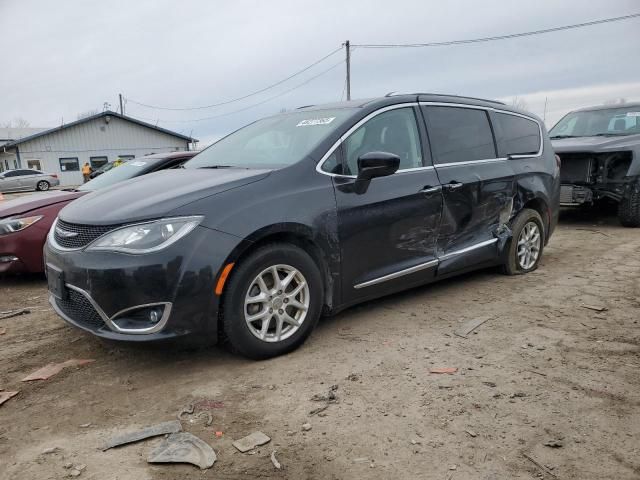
(517, 135)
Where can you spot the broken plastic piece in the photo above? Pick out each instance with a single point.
(449, 370)
(275, 461)
(52, 369)
(219, 434)
(4, 396)
(251, 441)
(160, 429)
(183, 448)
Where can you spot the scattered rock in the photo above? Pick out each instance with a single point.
(329, 397)
(183, 447)
(595, 308)
(453, 467)
(353, 377)
(490, 384)
(67, 465)
(85, 425)
(306, 427)
(553, 443)
(251, 441)
(49, 450)
(471, 433)
(74, 473)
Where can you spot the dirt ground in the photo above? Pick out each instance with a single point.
(542, 369)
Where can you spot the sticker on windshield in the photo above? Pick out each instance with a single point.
(316, 121)
(633, 114)
(138, 163)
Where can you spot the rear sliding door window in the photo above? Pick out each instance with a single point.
(460, 134)
(520, 136)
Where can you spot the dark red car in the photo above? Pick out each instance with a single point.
(25, 221)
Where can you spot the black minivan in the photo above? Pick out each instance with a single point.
(303, 214)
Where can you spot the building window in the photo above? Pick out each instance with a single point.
(69, 164)
(34, 164)
(97, 162)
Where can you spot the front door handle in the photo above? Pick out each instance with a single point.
(453, 185)
(429, 190)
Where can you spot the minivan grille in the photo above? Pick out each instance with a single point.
(85, 234)
(79, 309)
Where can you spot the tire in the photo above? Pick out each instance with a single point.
(629, 210)
(42, 186)
(514, 264)
(244, 335)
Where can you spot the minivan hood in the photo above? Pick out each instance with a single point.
(596, 144)
(155, 195)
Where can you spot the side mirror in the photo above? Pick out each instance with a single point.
(377, 164)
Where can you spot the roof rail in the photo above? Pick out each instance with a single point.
(391, 94)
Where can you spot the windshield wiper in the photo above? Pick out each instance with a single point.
(555, 137)
(611, 134)
(217, 166)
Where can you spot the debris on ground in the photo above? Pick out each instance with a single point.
(49, 450)
(251, 441)
(14, 313)
(319, 409)
(306, 427)
(52, 369)
(4, 396)
(353, 377)
(471, 433)
(553, 443)
(449, 370)
(275, 461)
(188, 410)
(183, 447)
(329, 397)
(219, 434)
(490, 384)
(590, 327)
(173, 426)
(470, 326)
(595, 308)
(85, 425)
(3, 331)
(539, 465)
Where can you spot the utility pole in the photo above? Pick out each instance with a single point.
(121, 107)
(348, 52)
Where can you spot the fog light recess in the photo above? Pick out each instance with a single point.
(142, 319)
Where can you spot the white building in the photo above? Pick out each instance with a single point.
(97, 139)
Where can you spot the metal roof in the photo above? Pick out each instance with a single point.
(9, 134)
(93, 117)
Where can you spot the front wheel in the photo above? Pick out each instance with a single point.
(527, 243)
(272, 302)
(42, 186)
(629, 210)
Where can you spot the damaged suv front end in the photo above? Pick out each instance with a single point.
(599, 149)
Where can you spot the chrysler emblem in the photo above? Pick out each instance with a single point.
(65, 234)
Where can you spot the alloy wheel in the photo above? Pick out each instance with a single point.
(529, 242)
(276, 303)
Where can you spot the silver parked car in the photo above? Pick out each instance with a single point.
(25, 179)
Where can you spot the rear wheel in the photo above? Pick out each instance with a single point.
(629, 210)
(42, 185)
(527, 243)
(272, 302)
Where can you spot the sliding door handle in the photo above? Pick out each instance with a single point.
(453, 186)
(429, 190)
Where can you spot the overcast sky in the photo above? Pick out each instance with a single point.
(61, 58)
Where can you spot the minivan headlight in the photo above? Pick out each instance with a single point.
(146, 237)
(11, 225)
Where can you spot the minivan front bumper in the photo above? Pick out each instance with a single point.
(113, 295)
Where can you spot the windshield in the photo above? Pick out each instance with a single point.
(272, 142)
(609, 121)
(125, 171)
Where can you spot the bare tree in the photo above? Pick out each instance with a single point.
(88, 113)
(519, 102)
(17, 122)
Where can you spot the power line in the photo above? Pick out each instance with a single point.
(226, 102)
(249, 106)
(499, 37)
